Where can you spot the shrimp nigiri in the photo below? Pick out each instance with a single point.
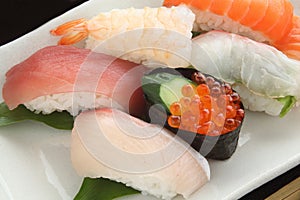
(58, 78)
(259, 72)
(270, 21)
(139, 35)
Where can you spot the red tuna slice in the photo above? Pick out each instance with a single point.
(64, 69)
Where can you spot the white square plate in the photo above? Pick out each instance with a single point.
(35, 162)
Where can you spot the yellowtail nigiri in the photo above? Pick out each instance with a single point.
(58, 78)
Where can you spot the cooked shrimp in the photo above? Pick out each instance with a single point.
(270, 21)
(149, 34)
(262, 69)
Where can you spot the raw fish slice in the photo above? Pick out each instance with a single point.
(111, 144)
(63, 74)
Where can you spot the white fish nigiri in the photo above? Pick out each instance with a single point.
(259, 72)
(161, 35)
(111, 144)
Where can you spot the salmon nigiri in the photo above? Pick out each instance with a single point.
(111, 144)
(58, 78)
(270, 21)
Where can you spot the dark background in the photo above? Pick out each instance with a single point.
(18, 17)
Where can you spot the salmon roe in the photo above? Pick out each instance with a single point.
(210, 107)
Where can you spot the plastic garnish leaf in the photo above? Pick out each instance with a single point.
(102, 189)
(58, 120)
(195, 33)
(288, 103)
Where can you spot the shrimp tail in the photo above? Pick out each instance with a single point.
(71, 32)
(290, 45)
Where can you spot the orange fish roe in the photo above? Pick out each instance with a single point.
(188, 90)
(210, 108)
(175, 109)
(203, 89)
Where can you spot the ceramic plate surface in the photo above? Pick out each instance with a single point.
(35, 159)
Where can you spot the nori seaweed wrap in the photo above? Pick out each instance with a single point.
(214, 143)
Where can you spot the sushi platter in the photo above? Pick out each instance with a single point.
(36, 159)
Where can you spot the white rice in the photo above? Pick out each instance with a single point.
(74, 103)
(206, 21)
(150, 185)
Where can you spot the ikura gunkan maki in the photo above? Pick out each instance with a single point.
(204, 111)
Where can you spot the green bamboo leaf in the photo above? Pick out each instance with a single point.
(102, 189)
(91, 189)
(59, 120)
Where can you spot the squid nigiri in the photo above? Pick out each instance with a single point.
(140, 35)
(270, 21)
(58, 78)
(260, 73)
(111, 144)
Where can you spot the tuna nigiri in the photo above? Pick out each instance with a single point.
(260, 73)
(73, 79)
(111, 144)
(270, 21)
(139, 35)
